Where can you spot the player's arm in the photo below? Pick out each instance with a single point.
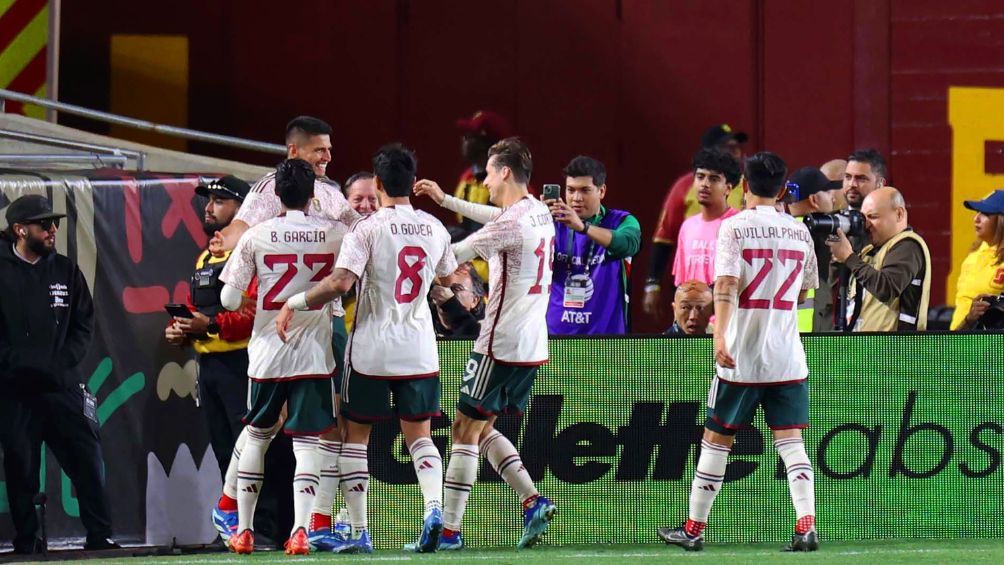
(726, 299)
(333, 286)
(237, 275)
(480, 213)
(227, 238)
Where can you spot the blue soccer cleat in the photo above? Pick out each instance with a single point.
(432, 529)
(225, 522)
(325, 540)
(452, 542)
(361, 544)
(536, 519)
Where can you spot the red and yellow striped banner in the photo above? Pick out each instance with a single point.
(24, 40)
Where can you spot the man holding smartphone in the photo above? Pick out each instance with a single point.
(592, 255)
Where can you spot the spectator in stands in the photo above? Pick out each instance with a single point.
(834, 171)
(692, 309)
(981, 279)
(716, 174)
(681, 203)
(458, 304)
(891, 277)
(865, 172)
(811, 192)
(593, 247)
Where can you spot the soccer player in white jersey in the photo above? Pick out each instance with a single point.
(392, 360)
(287, 254)
(308, 139)
(518, 241)
(765, 265)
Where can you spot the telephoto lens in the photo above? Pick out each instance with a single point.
(851, 222)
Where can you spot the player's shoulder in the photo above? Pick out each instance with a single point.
(263, 183)
(429, 219)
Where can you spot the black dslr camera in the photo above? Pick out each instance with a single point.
(851, 221)
(993, 318)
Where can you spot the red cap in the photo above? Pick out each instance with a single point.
(487, 123)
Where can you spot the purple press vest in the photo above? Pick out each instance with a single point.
(604, 311)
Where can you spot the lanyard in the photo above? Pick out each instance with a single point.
(589, 250)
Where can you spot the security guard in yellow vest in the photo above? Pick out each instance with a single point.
(891, 277)
(809, 191)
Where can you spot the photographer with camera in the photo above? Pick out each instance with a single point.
(811, 196)
(978, 298)
(891, 277)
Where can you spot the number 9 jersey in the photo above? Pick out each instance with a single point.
(289, 254)
(773, 257)
(396, 252)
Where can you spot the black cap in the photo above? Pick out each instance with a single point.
(30, 208)
(227, 187)
(807, 181)
(992, 204)
(720, 133)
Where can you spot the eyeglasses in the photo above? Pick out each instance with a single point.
(46, 224)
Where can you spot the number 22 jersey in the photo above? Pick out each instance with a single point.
(289, 254)
(773, 257)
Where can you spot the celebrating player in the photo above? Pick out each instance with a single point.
(287, 253)
(518, 241)
(765, 263)
(394, 254)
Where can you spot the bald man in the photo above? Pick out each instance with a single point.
(692, 309)
(891, 277)
(834, 171)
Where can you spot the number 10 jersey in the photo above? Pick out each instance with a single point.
(773, 257)
(289, 254)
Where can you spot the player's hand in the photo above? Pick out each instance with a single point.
(722, 355)
(840, 246)
(216, 245)
(651, 304)
(282, 322)
(174, 335)
(197, 325)
(426, 187)
(564, 214)
(440, 294)
(979, 307)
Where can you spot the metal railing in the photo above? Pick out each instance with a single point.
(32, 159)
(145, 125)
(100, 154)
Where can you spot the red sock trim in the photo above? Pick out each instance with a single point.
(529, 502)
(227, 504)
(320, 522)
(804, 524)
(694, 528)
(450, 533)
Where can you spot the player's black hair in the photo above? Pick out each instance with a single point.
(765, 174)
(300, 128)
(711, 159)
(873, 158)
(583, 166)
(395, 165)
(513, 153)
(361, 175)
(294, 183)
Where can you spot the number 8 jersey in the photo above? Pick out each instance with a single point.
(396, 252)
(289, 254)
(773, 257)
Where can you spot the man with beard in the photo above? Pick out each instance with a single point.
(46, 324)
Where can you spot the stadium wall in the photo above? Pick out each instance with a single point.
(906, 430)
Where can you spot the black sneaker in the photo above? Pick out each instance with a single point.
(678, 536)
(808, 541)
(100, 544)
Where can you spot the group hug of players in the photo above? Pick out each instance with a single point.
(306, 247)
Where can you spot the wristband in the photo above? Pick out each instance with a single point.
(585, 228)
(298, 301)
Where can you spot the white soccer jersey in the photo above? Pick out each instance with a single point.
(262, 203)
(396, 252)
(519, 247)
(773, 257)
(289, 254)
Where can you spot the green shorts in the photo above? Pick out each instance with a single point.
(491, 388)
(366, 400)
(339, 337)
(732, 406)
(309, 405)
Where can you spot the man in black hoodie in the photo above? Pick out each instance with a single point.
(46, 324)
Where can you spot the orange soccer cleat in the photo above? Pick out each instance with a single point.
(298, 544)
(242, 543)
